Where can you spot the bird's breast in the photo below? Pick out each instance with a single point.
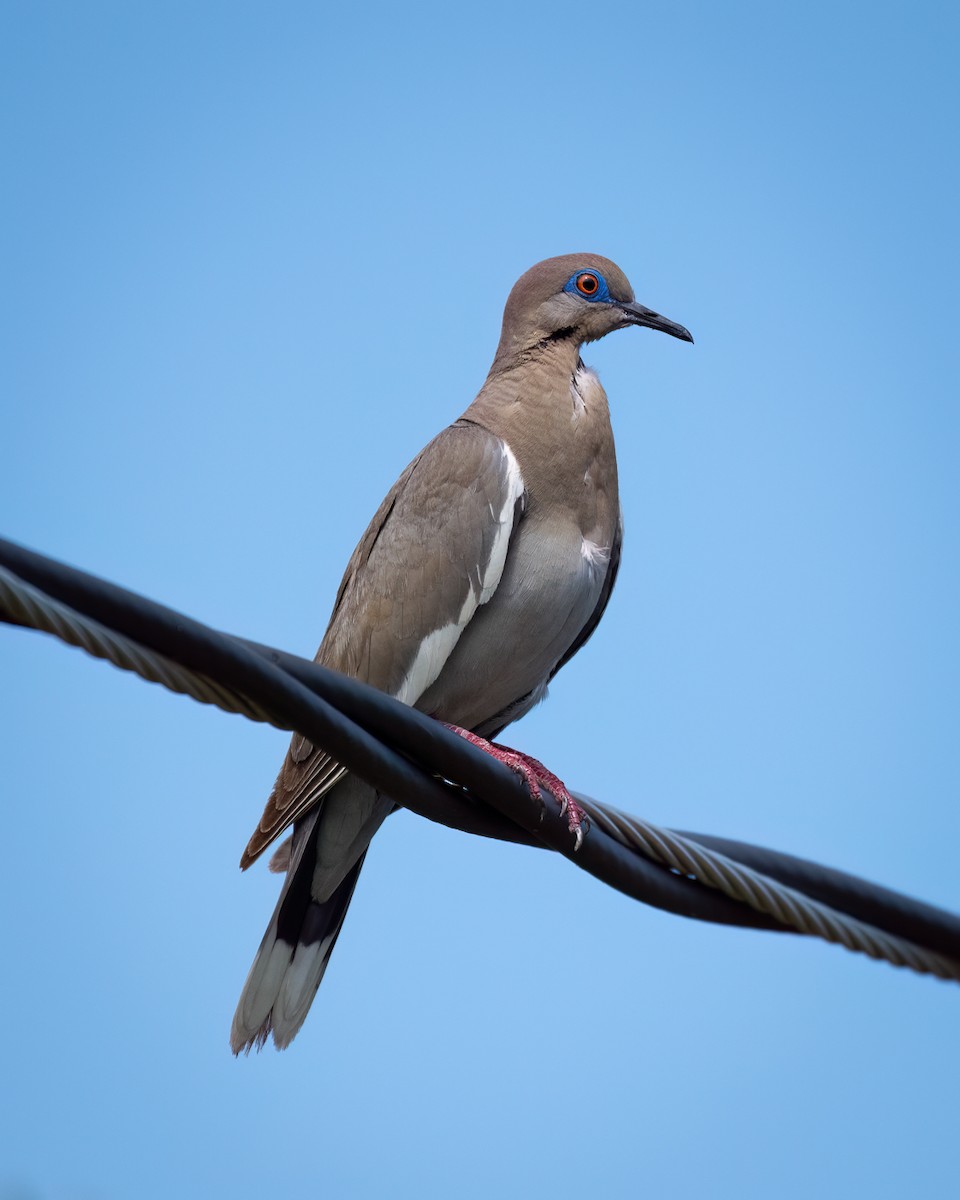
(551, 585)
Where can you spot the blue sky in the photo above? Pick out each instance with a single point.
(253, 258)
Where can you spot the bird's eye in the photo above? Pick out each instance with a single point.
(590, 285)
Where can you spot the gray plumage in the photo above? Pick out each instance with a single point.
(485, 569)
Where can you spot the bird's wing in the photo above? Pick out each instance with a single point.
(434, 552)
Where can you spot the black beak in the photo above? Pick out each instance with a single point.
(636, 314)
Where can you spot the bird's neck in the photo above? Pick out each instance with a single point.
(558, 351)
(552, 413)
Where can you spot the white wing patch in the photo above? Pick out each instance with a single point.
(493, 572)
(434, 651)
(438, 645)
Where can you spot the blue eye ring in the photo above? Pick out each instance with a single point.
(588, 285)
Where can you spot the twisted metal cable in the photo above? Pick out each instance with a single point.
(28, 605)
(785, 904)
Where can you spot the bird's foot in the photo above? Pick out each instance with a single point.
(536, 776)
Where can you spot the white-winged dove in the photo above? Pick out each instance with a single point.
(485, 569)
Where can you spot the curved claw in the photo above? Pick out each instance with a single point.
(534, 774)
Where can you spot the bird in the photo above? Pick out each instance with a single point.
(486, 568)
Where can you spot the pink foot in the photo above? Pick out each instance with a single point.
(534, 774)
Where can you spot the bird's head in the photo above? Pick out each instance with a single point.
(576, 298)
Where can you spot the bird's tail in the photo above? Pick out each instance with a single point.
(294, 952)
